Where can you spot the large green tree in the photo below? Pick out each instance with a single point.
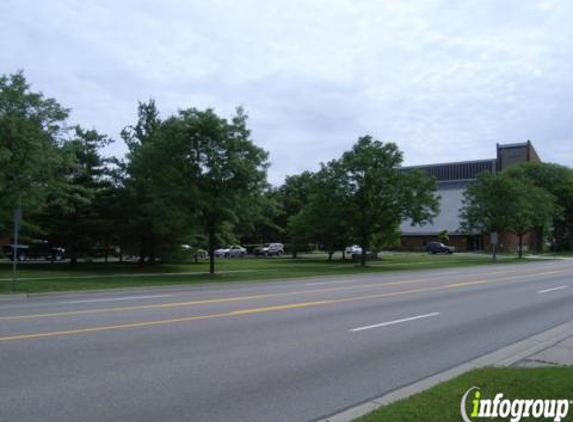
(326, 213)
(214, 170)
(292, 196)
(380, 196)
(558, 181)
(498, 203)
(136, 177)
(73, 216)
(31, 126)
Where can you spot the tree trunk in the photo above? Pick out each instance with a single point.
(539, 240)
(343, 254)
(364, 245)
(142, 251)
(211, 249)
(151, 240)
(151, 260)
(73, 253)
(520, 246)
(73, 249)
(330, 253)
(106, 253)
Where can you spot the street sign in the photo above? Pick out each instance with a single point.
(493, 238)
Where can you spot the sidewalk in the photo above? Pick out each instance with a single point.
(559, 354)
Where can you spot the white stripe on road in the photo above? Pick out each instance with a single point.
(552, 290)
(323, 283)
(113, 299)
(398, 321)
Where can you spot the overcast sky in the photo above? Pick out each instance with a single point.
(445, 80)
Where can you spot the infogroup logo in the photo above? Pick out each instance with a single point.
(515, 410)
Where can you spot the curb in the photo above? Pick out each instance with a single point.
(13, 296)
(505, 356)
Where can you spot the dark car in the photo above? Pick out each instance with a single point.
(269, 249)
(40, 249)
(439, 247)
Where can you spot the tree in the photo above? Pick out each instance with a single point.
(30, 130)
(299, 232)
(558, 181)
(215, 172)
(73, 214)
(30, 126)
(260, 223)
(536, 211)
(443, 236)
(380, 197)
(137, 180)
(325, 214)
(292, 197)
(497, 203)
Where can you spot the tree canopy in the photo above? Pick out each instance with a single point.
(498, 203)
(31, 126)
(556, 180)
(362, 194)
(209, 169)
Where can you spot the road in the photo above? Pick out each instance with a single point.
(280, 351)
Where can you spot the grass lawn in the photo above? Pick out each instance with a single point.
(560, 254)
(45, 277)
(442, 403)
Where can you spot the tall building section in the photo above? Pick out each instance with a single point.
(452, 180)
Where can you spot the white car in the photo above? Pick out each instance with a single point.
(231, 252)
(353, 250)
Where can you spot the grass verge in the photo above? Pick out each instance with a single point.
(442, 402)
(36, 277)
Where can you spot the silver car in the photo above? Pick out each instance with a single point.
(232, 251)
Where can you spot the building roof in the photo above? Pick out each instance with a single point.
(463, 170)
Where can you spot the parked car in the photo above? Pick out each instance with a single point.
(270, 249)
(40, 249)
(353, 250)
(232, 251)
(439, 247)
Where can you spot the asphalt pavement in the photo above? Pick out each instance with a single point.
(292, 350)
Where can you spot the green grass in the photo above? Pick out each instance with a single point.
(44, 277)
(566, 254)
(442, 403)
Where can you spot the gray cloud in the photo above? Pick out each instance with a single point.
(445, 80)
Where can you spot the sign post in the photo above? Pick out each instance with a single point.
(17, 218)
(493, 239)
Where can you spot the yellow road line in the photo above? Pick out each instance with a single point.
(228, 299)
(249, 311)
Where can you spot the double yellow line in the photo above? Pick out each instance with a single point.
(234, 299)
(256, 310)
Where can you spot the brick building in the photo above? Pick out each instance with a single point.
(452, 179)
